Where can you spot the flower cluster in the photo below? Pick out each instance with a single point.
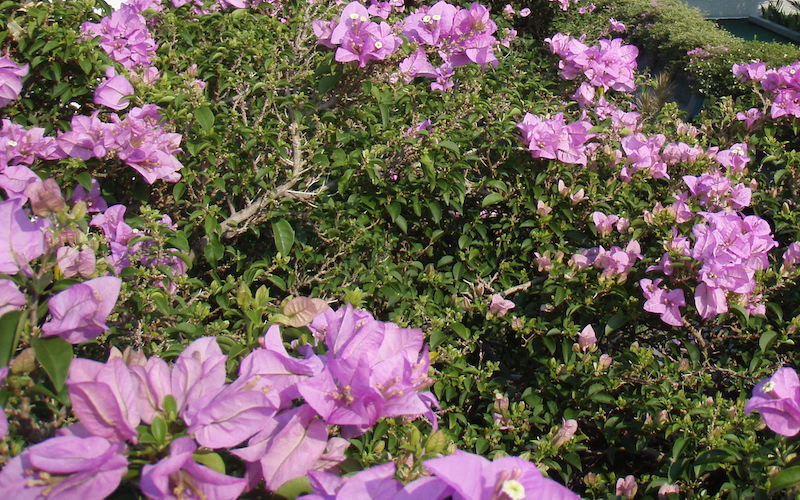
(461, 476)
(782, 83)
(608, 65)
(555, 139)
(614, 262)
(139, 139)
(643, 153)
(356, 38)
(124, 37)
(370, 370)
(455, 35)
(77, 313)
(728, 250)
(458, 36)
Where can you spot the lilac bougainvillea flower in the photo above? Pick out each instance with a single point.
(287, 447)
(104, 398)
(500, 306)
(375, 482)
(89, 138)
(11, 299)
(79, 313)
(749, 117)
(114, 91)
(473, 477)
(604, 223)
(16, 180)
(21, 240)
(666, 303)
(11, 75)
(198, 372)
(179, 476)
(93, 199)
(65, 467)
(626, 487)
(372, 370)
(777, 399)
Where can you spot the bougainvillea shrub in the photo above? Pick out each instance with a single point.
(389, 250)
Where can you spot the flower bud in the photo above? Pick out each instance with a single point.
(667, 489)
(626, 487)
(565, 433)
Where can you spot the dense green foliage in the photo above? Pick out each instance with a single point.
(300, 180)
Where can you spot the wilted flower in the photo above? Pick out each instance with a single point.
(667, 489)
(45, 197)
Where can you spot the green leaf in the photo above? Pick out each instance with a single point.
(491, 199)
(401, 223)
(85, 180)
(178, 190)
(170, 407)
(618, 320)
(8, 331)
(461, 330)
(294, 488)
(211, 460)
(785, 479)
(55, 355)
(283, 234)
(394, 210)
(159, 429)
(767, 339)
(204, 117)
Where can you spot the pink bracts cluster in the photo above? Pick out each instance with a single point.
(503, 478)
(124, 37)
(356, 37)
(608, 65)
(370, 370)
(455, 35)
(555, 139)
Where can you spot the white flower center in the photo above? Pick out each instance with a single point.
(437, 17)
(426, 19)
(513, 489)
(768, 387)
(353, 16)
(378, 45)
